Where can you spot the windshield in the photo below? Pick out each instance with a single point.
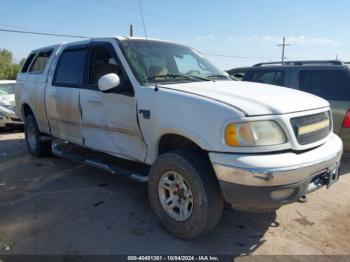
(162, 62)
(7, 89)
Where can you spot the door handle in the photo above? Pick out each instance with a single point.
(95, 101)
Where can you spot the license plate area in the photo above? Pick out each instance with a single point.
(333, 174)
(328, 177)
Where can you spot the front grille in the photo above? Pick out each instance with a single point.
(298, 123)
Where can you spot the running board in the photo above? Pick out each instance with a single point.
(67, 153)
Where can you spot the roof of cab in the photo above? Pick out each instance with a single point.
(141, 38)
(86, 41)
(46, 48)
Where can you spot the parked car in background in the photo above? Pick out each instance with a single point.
(327, 79)
(8, 116)
(160, 112)
(237, 73)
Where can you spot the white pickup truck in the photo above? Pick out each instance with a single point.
(160, 112)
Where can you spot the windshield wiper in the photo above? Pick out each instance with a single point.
(217, 76)
(199, 77)
(165, 76)
(176, 76)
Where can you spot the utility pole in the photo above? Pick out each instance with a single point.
(131, 31)
(283, 46)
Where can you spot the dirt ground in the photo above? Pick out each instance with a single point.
(53, 206)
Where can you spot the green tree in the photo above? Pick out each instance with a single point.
(21, 63)
(8, 69)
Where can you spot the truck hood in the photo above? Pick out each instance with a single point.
(253, 98)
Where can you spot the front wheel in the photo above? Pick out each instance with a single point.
(184, 193)
(35, 145)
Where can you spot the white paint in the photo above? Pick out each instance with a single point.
(109, 124)
(254, 98)
(198, 111)
(284, 160)
(108, 82)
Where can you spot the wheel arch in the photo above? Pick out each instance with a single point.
(26, 110)
(173, 140)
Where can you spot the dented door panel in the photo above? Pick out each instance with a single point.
(63, 112)
(109, 124)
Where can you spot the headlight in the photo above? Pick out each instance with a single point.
(257, 133)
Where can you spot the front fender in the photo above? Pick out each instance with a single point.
(192, 135)
(199, 119)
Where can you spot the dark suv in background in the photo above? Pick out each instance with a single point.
(327, 79)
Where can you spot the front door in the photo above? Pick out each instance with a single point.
(109, 119)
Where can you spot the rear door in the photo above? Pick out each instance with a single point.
(22, 83)
(109, 119)
(26, 82)
(62, 94)
(38, 75)
(332, 84)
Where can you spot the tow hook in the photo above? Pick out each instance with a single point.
(302, 199)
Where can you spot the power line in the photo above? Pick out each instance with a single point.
(163, 17)
(85, 37)
(40, 33)
(156, 14)
(236, 56)
(18, 27)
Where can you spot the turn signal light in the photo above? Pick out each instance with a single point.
(346, 122)
(239, 135)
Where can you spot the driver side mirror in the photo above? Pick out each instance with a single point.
(108, 82)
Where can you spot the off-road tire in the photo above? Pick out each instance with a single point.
(40, 148)
(208, 201)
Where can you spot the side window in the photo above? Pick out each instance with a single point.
(39, 64)
(329, 84)
(237, 75)
(272, 77)
(27, 63)
(70, 68)
(102, 63)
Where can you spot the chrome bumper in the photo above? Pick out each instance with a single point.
(268, 170)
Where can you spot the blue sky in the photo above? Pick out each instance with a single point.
(250, 30)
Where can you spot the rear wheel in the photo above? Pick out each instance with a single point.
(184, 193)
(35, 145)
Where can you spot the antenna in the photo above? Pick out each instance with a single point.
(143, 19)
(131, 31)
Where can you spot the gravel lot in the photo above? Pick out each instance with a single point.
(54, 206)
